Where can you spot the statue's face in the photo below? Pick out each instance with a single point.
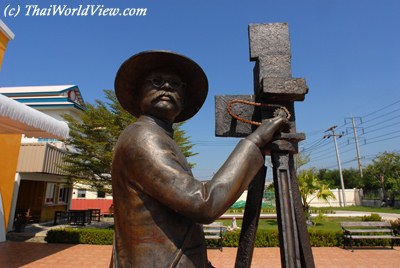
(162, 95)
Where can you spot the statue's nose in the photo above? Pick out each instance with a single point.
(167, 86)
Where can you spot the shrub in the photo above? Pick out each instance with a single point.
(80, 236)
(372, 217)
(318, 219)
(270, 238)
(266, 238)
(231, 239)
(396, 225)
(326, 238)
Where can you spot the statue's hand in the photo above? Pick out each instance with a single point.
(264, 133)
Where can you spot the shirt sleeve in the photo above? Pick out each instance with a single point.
(158, 168)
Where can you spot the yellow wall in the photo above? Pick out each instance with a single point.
(3, 46)
(48, 212)
(9, 151)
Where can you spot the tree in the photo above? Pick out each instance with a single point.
(183, 141)
(330, 177)
(385, 169)
(309, 184)
(300, 160)
(92, 138)
(351, 178)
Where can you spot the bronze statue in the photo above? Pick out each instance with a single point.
(158, 205)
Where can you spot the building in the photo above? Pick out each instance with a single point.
(5, 36)
(40, 186)
(83, 198)
(43, 188)
(16, 120)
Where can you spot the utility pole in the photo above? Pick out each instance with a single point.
(357, 146)
(338, 159)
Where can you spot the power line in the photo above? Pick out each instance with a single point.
(398, 136)
(387, 134)
(314, 132)
(380, 109)
(389, 113)
(377, 129)
(375, 123)
(317, 144)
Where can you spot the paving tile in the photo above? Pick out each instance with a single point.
(38, 255)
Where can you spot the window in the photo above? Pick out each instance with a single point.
(81, 193)
(101, 194)
(47, 140)
(50, 190)
(63, 194)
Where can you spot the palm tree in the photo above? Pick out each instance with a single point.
(309, 185)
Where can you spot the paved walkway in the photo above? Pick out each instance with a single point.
(385, 216)
(37, 255)
(338, 213)
(27, 254)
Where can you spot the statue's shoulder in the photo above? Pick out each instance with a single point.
(133, 132)
(137, 127)
(140, 132)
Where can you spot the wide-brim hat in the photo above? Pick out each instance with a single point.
(133, 71)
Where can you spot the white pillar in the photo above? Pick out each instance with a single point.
(17, 183)
(2, 225)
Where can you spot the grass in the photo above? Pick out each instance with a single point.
(262, 224)
(325, 224)
(331, 223)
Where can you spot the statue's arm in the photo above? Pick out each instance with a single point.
(156, 167)
(161, 173)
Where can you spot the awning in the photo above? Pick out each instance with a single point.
(16, 117)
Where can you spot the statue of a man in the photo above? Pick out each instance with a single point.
(158, 205)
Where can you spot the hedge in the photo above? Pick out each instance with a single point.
(80, 236)
(264, 238)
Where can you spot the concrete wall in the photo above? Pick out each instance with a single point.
(353, 198)
(377, 203)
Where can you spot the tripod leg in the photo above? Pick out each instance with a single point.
(293, 235)
(307, 259)
(250, 220)
(290, 256)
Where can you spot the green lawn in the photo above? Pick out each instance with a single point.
(262, 224)
(326, 224)
(331, 223)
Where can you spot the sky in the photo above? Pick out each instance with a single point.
(347, 50)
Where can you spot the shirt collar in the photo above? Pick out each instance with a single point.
(162, 124)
